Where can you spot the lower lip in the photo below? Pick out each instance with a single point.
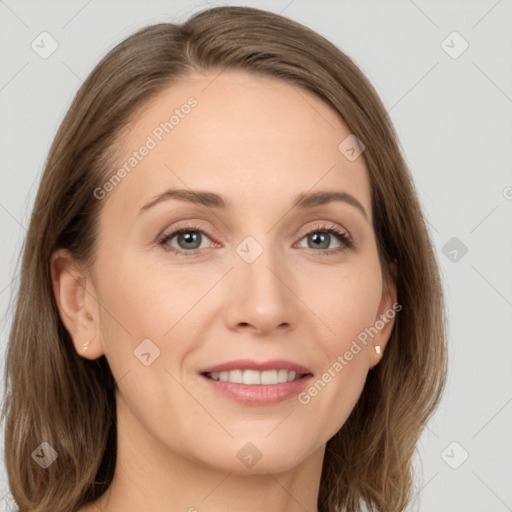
(259, 394)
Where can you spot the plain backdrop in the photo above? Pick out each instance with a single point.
(444, 72)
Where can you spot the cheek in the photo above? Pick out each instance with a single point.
(145, 300)
(153, 302)
(348, 303)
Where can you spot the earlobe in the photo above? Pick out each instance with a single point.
(385, 319)
(376, 356)
(77, 307)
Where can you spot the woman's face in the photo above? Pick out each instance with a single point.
(256, 277)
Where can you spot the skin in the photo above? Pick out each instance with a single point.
(259, 143)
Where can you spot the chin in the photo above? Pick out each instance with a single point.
(260, 455)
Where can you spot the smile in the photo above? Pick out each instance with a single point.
(255, 377)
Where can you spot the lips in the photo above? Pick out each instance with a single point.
(256, 383)
(249, 364)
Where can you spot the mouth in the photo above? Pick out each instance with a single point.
(257, 383)
(255, 377)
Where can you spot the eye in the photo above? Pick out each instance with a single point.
(189, 237)
(322, 236)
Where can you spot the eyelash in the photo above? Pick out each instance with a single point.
(346, 241)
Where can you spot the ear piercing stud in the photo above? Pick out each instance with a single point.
(377, 349)
(86, 345)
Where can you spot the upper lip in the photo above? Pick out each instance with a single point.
(249, 364)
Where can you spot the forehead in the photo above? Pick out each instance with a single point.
(248, 137)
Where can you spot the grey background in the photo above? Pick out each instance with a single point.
(453, 116)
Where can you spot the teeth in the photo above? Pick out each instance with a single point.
(252, 377)
(235, 376)
(282, 376)
(269, 377)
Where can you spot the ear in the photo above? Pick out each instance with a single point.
(76, 300)
(385, 319)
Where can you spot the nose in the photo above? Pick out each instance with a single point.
(261, 297)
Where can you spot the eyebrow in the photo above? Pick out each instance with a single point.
(212, 200)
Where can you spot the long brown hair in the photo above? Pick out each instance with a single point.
(53, 395)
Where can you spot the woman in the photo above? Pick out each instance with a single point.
(228, 297)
